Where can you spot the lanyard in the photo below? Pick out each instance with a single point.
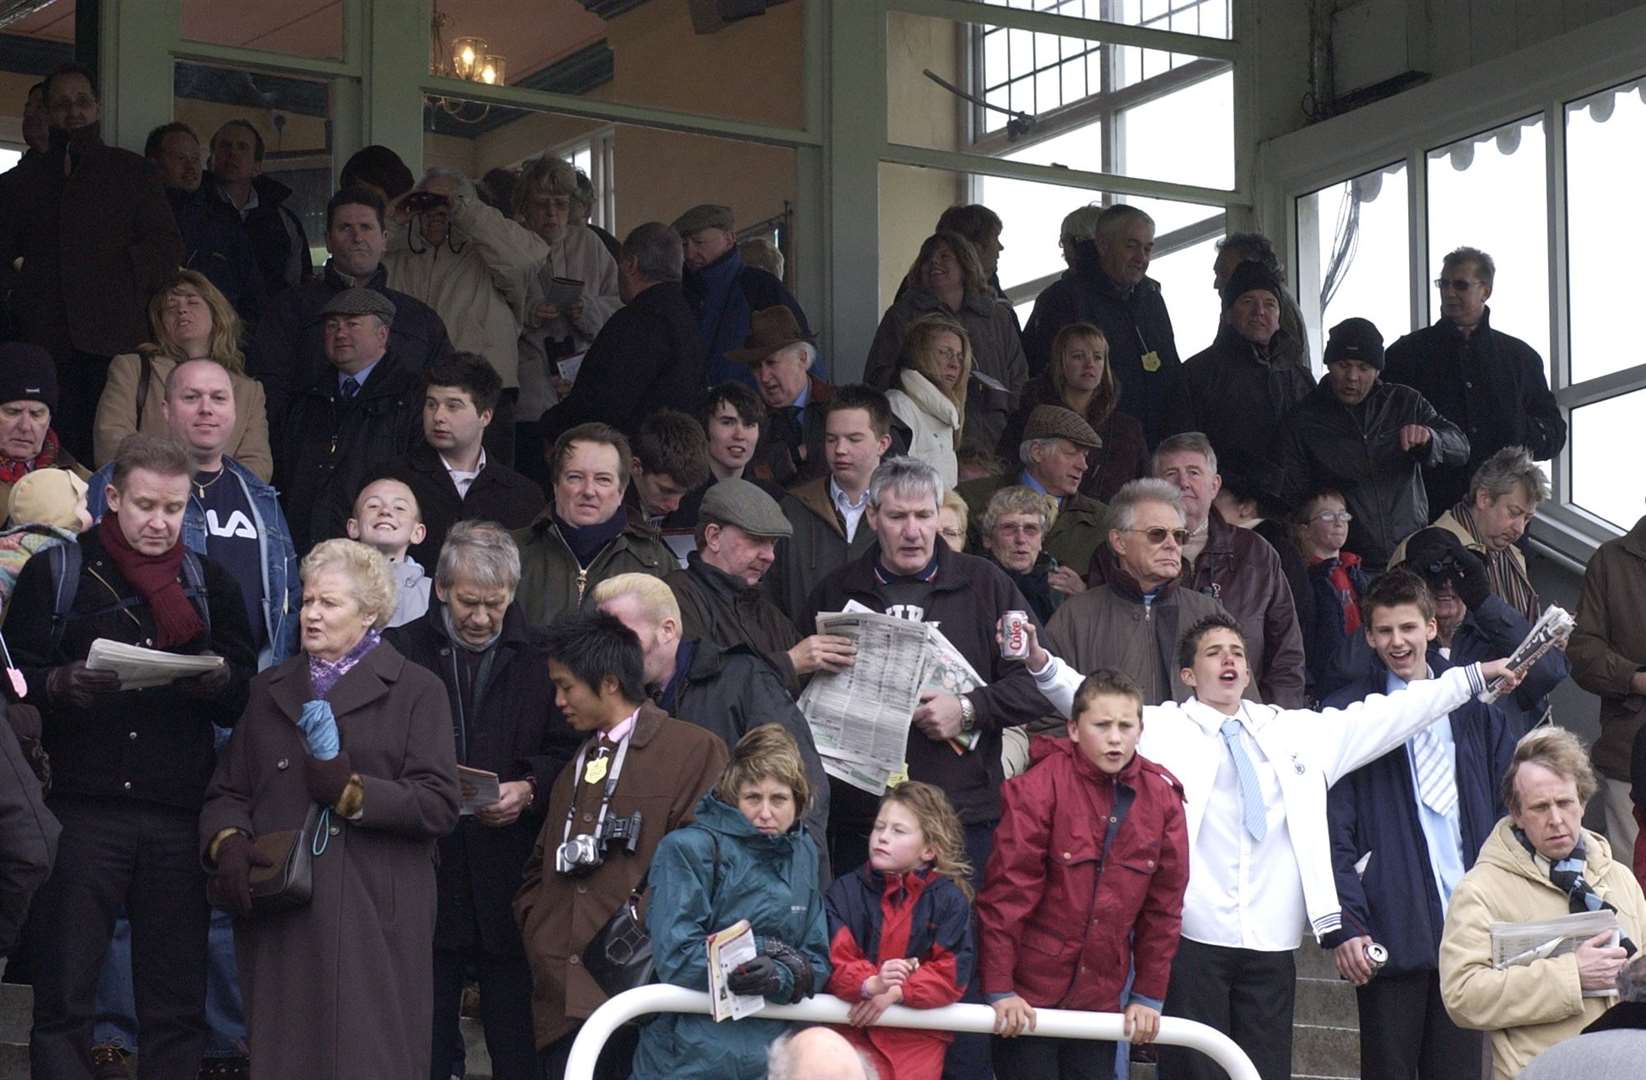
(606, 793)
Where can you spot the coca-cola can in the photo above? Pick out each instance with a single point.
(1014, 635)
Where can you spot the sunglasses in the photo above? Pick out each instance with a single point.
(1455, 284)
(1159, 533)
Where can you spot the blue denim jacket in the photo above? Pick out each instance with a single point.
(282, 591)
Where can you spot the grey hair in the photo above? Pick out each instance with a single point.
(1510, 468)
(1187, 442)
(1018, 499)
(1482, 262)
(1118, 215)
(780, 1063)
(907, 476)
(1026, 448)
(1631, 981)
(371, 582)
(809, 350)
(481, 552)
(657, 251)
(1123, 507)
(1080, 223)
(466, 191)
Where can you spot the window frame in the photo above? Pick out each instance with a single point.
(1410, 126)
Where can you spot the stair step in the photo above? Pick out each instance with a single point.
(1318, 1050)
(1332, 1004)
(16, 1012)
(1313, 962)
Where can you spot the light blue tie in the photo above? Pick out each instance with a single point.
(1436, 775)
(1251, 796)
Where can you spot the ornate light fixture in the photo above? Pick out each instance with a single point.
(467, 59)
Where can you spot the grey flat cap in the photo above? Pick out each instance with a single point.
(1056, 422)
(705, 216)
(738, 502)
(357, 301)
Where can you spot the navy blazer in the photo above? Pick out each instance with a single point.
(1373, 811)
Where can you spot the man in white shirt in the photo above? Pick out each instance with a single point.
(1260, 861)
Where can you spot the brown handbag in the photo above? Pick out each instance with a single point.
(289, 882)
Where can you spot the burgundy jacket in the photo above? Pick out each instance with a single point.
(1081, 862)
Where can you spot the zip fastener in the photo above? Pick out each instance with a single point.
(582, 574)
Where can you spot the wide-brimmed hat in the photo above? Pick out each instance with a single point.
(770, 329)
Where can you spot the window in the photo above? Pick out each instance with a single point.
(1489, 192)
(1354, 255)
(1605, 156)
(1185, 278)
(1605, 441)
(1187, 136)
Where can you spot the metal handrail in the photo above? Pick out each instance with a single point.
(1052, 1023)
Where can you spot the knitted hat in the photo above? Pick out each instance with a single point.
(1056, 422)
(1355, 339)
(1246, 277)
(47, 497)
(27, 373)
(737, 502)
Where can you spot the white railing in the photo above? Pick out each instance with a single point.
(1052, 1023)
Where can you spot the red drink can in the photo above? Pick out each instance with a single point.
(1014, 636)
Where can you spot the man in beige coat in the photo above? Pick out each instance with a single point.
(1539, 863)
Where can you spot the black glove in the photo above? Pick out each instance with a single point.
(795, 961)
(762, 977)
(1472, 584)
(78, 685)
(1432, 554)
(326, 779)
(207, 684)
(236, 855)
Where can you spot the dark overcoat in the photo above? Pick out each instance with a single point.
(343, 987)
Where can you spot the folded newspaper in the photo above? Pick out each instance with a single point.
(1522, 944)
(141, 668)
(860, 716)
(1550, 632)
(729, 948)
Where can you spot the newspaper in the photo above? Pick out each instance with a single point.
(1552, 629)
(727, 949)
(1518, 944)
(141, 668)
(480, 788)
(860, 716)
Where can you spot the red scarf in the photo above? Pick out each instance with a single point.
(155, 579)
(14, 469)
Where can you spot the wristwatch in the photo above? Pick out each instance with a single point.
(968, 715)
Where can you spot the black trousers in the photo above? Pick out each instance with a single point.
(80, 381)
(505, 1012)
(616, 1057)
(1245, 994)
(1406, 1034)
(146, 858)
(1029, 1058)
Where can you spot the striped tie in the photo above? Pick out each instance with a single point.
(1251, 796)
(1436, 779)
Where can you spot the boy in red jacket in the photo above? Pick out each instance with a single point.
(1086, 879)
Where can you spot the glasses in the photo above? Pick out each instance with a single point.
(1456, 284)
(1159, 533)
(947, 353)
(1334, 517)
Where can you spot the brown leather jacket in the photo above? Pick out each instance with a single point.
(1609, 645)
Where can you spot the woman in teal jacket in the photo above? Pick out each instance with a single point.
(745, 856)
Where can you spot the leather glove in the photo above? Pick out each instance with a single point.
(1432, 555)
(326, 779)
(236, 855)
(799, 970)
(762, 976)
(1473, 586)
(78, 685)
(208, 684)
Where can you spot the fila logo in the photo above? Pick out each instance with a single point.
(238, 526)
(911, 612)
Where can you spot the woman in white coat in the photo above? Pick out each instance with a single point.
(929, 400)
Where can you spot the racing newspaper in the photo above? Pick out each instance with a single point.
(860, 716)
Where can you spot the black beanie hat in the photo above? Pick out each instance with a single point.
(1246, 277)
(1355, 339)
(27, 373)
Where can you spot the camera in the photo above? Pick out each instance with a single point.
(583, 853)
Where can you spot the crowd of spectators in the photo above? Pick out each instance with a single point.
(489, 556)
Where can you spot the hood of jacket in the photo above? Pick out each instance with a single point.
(730, 825)
(1044, 747)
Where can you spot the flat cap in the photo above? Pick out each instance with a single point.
(704, 216)
(1056, 422)
(358, 301)
(737, 502)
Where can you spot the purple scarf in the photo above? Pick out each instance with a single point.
(323, 674)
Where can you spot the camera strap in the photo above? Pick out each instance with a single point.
(607, 789)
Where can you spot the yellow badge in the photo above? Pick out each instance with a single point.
(595, 771)
(1151, 361)
(900, 777)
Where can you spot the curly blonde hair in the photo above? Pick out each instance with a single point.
(367, 570)
(940, 826)
(225, 324)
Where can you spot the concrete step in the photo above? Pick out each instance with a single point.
(1330, 1003)
(1318, 1050)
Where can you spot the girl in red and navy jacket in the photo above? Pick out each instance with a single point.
(900, 929)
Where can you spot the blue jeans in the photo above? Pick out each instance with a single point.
(225, 1016)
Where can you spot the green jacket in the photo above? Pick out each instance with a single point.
(1081, 528)
(551, 581)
